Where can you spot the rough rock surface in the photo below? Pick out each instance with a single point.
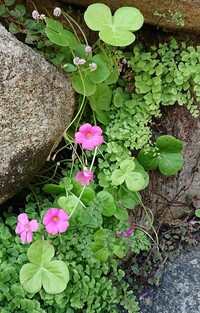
(168, 195)
(179, 289)
(158, 12)
(36, 104)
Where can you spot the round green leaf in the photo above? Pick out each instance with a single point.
(116, 36)
(108, 205)
(59, 38)
(197, 213)
(127, 166)
(134, 181)
(85, 87)
(52, 188)
(148, 159)
(128, 18)
(117, 177)
(121, 214)
(171, 163)
(101, 99)
(31, 277)
(169, 144)
(53, 24)
(40, 252)
(97, 15)
(102, 72)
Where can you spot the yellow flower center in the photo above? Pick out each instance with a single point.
(27, 227)
(89, 135)
(55, 219)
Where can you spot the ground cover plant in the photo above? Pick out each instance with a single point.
(62, 252)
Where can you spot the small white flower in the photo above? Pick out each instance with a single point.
(76, 60)
(82, 61)
(35, 15)
(42, 16)
(88, 49)
(57, 12)
(92, 66)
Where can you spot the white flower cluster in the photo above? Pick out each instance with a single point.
(57, 12)
(78, 61)
(37, 16)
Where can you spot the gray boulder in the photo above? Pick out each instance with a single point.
(179, 289)
(36, 105)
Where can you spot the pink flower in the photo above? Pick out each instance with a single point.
(88, 49)
(25, 228)
(89, 136)
(126, 233)
(56, 221)
(84, 177)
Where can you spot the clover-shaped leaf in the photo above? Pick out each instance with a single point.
(167, 156)
(107, 203)
(134, 180)
(114, 30)
(53, 276)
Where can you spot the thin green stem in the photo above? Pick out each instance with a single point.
(82, 32)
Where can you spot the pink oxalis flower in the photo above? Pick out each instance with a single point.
(84, 177)
(126, 233)
(89, 136)
(25, 228)
(56, 221)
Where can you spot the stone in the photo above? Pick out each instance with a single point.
(159, 12)
(36, 105)
(179, 288)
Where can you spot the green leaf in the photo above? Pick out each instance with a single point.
(108, 206)
(19, 11)
(127, 166)
(103, 116)
(121, 214)
(83, 85)
(9, 2)
(102, 71)
(59, 38)
(88, 194)
(53, 24)
(171, 163)
(134, 181)
(52, 188)
(102, 255)
(117, 177)
(197, 213)
(169, 144)
(100, 100)
(2, 10)
(116, 30)
(129, 199)
(97, 15)
(148, 158)
(13, 28)
(52, 275)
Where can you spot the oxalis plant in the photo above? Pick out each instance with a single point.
(81, 225)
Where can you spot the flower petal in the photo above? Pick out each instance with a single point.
(97, 140)
(50, 214)
(33, 225)
(79, 176)
(29, 237)
(19, 228)
(85, 128)
(63, 216)
(23, 236)
(62, 226)
(23, 218)
(52, 228)
(96, 130)
(80, 137)
(88, 144)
